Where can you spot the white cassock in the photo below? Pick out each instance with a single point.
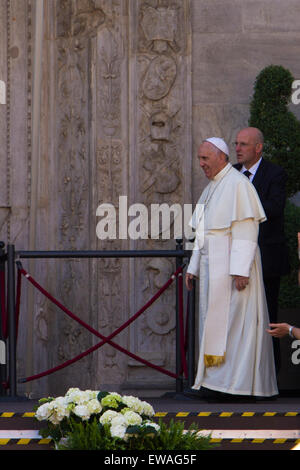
(236, 352)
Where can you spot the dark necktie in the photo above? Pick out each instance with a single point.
(247, 173)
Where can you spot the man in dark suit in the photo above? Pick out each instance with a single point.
(269, 181)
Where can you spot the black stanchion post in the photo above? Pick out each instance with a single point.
(191, 330)
(3, 370)
(11, 320)
(191, 338)
(179, 380)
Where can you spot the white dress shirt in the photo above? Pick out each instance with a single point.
(252, 170)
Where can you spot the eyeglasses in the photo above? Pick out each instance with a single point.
(244, 144)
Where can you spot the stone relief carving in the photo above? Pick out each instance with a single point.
(108, 96)
(109, 58)
(160, 53)
(109, 166)
(76, 23)
(159, 24)
(90, 53)
(89, 50)
(162, 321)
(78, 18)
(159, 78)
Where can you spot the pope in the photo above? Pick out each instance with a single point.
(235, 350)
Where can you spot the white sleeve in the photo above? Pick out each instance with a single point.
(243, 248)
(194, 264)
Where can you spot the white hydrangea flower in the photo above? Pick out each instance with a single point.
(82, 412)
(94, 406)
(147, 409)
(72, 390)
(91, 394)
(118, 431)
(133, 403)
(132, 418)
(139, 406)
(85, 403)
(61, 407)
(108, 416)
(116, 395)
(44, 411)
(54, 419)
(79, 397)
(118, 420)
(76, 396)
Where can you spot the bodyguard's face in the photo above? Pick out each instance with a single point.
(248, 150)
(211, 161)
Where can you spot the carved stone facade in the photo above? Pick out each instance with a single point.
(115, 120)
(128, 89)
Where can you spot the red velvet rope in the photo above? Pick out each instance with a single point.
(92, 330)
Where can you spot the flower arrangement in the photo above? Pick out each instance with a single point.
(95, 420)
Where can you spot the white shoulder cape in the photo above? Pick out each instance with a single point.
(233, 198)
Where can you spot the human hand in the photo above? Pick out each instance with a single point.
(241, 282)
(278, 330)
(189, 281)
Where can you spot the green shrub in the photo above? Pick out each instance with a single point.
(269, 112)
(92, 436)
(289, 296)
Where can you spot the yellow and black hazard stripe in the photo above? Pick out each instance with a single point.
(183, 414)
(24, 441)
(293, 444)
(226, 414)
(12, 437)
(12, 414)
(27, 441)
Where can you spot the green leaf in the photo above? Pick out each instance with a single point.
(102, 395)
(133, 429)
(149, 430)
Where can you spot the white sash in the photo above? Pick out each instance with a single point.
(220, 281)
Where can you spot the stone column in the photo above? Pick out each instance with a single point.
(160, 170)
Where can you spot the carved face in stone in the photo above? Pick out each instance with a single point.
(160, 126)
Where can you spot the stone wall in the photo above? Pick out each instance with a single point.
(233, 41)
(127, 90)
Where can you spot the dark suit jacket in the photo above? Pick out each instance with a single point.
(269, 182)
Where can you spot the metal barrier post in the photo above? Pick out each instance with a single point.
(11, 319)
(191, 327)
(3, 370)
(191, 338)
(179, 380)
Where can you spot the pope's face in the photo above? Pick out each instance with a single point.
(211, 162)
(248, 149)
